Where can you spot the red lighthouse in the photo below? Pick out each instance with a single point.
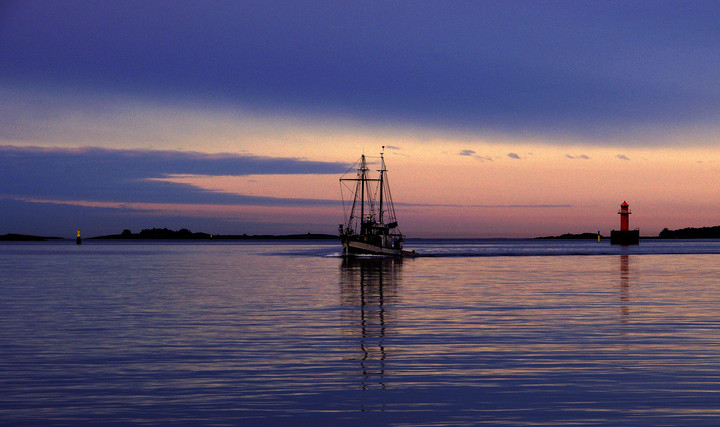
(625, 236)
(624, 216)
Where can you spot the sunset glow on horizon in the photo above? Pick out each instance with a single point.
(499, 119)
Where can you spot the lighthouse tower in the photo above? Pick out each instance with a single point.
(625, 236)
(624, 216)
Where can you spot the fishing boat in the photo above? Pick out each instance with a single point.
(370, 224)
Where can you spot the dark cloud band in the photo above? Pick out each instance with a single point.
(563, 68)
(105, 175)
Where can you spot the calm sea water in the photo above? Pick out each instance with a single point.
(288, 333)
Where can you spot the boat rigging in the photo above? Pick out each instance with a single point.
(370, 226)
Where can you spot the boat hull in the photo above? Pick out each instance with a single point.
(355, 247)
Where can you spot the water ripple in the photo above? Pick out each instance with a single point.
(210, 334)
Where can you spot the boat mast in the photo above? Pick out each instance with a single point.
(382, 170)
(363, 191)
(363, 169)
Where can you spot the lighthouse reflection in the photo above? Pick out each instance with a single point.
(624, 287)
(368, 289)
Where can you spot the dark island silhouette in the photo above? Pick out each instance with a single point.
(157, 233)
(185, 234)
(692, 233)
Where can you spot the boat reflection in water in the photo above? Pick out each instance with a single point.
(368, 288)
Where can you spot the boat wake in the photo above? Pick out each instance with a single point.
(426, 248)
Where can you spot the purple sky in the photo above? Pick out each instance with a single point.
(567, 67)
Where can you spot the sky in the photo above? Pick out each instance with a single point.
(499, 118)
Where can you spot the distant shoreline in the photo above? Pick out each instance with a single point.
(224, 237)
(185, 234)
(666, 234)
(570, 236)
(13, 237)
